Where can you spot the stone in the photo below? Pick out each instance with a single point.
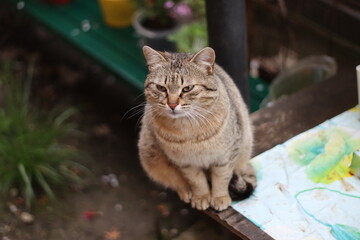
(27, 218)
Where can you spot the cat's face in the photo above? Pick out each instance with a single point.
(180, 84)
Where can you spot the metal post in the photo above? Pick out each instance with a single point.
(226, 21)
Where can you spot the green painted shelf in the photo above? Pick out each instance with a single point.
(80, 22)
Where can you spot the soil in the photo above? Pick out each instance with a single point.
(135, 208)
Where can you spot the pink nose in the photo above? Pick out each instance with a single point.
(172, 105)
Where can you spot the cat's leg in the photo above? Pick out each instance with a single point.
(160, 170)
(199, 186)
(220, 178)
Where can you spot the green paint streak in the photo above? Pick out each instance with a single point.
(344, 232)
(339, 231)
(304, 150)
(327, 155)
(355, 164)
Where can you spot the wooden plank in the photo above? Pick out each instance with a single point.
(238, 224)
(301, 111)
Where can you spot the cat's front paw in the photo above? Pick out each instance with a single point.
(221, 203)
(201, 202)
(185, 195)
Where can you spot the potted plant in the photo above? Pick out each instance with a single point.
(192, 36)
(155, 20)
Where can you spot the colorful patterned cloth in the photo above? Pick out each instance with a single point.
(309, 187)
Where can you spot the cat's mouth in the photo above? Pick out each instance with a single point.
(176, 113)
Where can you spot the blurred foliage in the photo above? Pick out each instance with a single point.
(32, 157)
(198, 9)
(190, 37)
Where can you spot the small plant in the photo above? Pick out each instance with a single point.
(32, 158)
(190, 37)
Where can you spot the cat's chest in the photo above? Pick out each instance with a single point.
(194, 154)
(201, 154)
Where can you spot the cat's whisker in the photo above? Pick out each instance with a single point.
(191, 119)
(196, 119)
(206, 121)
(135, 109)
(152, 110)
(135, 113)
(201, 116)
(140, 118)
(188, 118)
(216, 117)
(203, 110)
(139, 121)
(155, 112)
(138, 111)
(201, 119)
(140, 95)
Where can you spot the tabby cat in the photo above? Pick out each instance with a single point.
(196, 134)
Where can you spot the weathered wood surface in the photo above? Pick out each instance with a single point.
(297, 113)
(238, 224)
(286, 118)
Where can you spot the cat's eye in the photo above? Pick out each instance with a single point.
(161, 88)
(188, 88)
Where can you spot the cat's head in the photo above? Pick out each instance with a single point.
(180, 84)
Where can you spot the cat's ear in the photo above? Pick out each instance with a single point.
(206, 59)
(153, 57)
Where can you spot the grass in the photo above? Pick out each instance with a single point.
(32, 157)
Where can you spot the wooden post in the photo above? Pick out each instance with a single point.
(358, 81)
(226, 21)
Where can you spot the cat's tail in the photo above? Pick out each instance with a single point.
(243, 183)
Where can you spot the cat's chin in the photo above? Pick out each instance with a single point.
(176, 114)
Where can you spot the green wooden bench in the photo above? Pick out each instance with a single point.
(81, 23)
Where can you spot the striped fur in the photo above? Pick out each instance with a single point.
(195, 122)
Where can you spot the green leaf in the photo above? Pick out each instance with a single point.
(31, 152)
(64, 116)
(29, 192)
(44, 185)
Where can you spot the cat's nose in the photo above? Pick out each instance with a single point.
(172, 105)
